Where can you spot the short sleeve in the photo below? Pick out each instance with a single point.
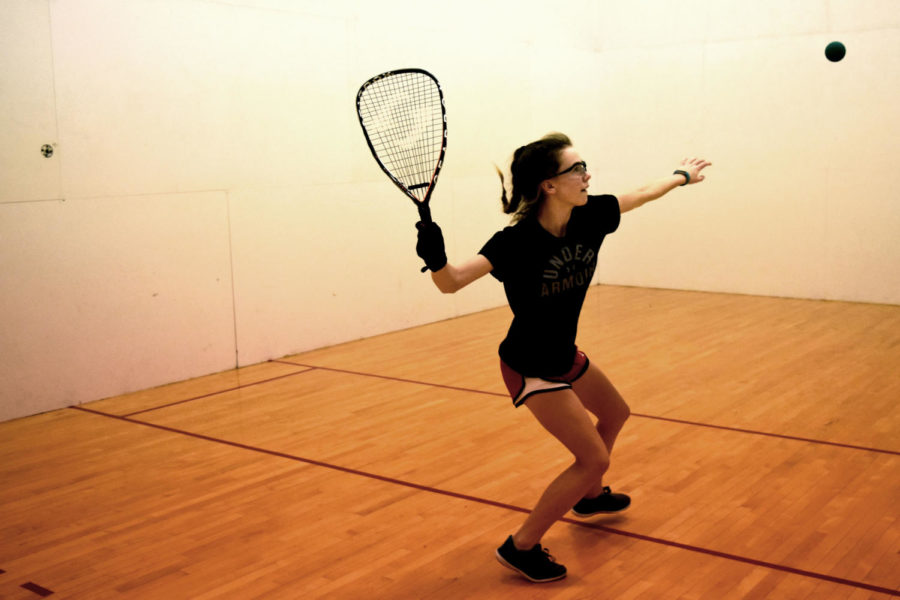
(496, 250)
(607, 212)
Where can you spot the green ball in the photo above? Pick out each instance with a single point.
(835, 51)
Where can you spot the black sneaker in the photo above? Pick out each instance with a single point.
(605, 503)
(535, 565)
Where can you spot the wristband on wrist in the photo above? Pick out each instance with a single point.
(687, 176)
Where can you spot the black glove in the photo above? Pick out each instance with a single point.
(430, 246)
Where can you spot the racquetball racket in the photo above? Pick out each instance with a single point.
(403, 117)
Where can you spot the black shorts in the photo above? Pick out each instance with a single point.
(521, 388)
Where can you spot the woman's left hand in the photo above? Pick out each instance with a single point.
(694, 166)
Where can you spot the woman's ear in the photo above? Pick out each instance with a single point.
(547, 187)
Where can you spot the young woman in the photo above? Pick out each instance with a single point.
(545, 260)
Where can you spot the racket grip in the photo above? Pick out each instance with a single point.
(425, 217)
(424, 212)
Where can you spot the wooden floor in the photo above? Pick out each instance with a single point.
(763, 459)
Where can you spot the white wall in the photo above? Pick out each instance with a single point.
(211, 201)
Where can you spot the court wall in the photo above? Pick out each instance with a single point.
(210, 201)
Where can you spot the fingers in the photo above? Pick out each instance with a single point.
(697, 164)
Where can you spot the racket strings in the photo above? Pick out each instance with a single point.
(404, 119)
(402, 129)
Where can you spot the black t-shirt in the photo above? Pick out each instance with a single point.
(546, 279)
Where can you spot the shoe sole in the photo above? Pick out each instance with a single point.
(523, 573)
(599, 512)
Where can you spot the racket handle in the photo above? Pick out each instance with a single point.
(425, 216)
(424, 212)
(425, 220)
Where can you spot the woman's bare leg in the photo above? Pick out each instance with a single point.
(563, 415)
(600, 397)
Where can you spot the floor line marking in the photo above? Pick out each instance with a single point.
(634, 414)
(397, 379)
(511, 507)
(37, 589)
(216, 393)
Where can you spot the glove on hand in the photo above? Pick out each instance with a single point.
(430, 246)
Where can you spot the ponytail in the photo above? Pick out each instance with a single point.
(531, 165)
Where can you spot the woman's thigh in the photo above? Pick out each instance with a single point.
(597, 393)
(563, 414)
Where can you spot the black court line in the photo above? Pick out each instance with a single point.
(511, 507)
(389, 378)
(37, 589)
(33, 587)
(638, 415)
(216, 393)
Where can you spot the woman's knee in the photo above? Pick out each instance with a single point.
(595, 463)
(625, 412)
(614, 419)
